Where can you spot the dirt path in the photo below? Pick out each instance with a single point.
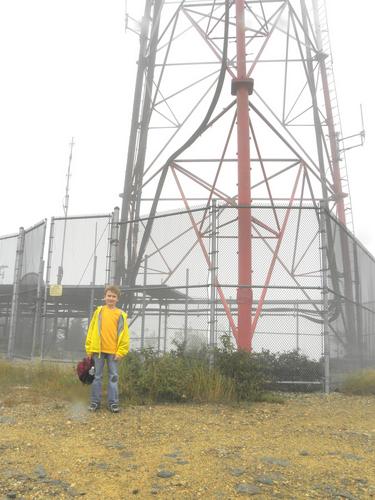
(312, 446)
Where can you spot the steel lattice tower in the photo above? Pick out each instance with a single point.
(234, 100)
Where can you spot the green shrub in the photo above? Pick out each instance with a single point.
(295, 366)
(290, 366)
(130, 374)
(164, 378)
(184, 375)
(360, 383)
(148, 377)
(221, 374)
(242, 368)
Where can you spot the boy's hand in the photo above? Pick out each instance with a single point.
(117, 357)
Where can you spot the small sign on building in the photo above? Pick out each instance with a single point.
(55, 290)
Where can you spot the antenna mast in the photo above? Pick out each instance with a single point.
(68, 175)
(65, 208)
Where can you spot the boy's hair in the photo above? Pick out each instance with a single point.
(114, 289)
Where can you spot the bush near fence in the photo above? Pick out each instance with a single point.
(222, 374)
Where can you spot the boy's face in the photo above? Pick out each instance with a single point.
(110, 299)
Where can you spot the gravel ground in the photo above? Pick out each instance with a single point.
(312, 446)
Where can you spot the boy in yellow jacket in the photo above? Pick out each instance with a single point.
(107, 340)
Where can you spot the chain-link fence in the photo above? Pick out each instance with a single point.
(21, 303)
(8, 247)
(312, 286)
(78, 267)
(350, 303)
(194, 256)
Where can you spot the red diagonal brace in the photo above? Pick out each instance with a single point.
(206, 256)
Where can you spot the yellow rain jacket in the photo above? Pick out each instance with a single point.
(93, 338)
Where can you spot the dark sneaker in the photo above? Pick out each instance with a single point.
(93, 407)
(114, 408)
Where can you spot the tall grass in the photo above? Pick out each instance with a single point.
(209, 385)
(360, 383)
(50, 379)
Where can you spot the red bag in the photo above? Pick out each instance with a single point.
(86, 370)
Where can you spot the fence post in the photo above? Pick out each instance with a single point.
(361, 348)
(39, 294)
(113, 248)
(48, 279)
(15, 295)
(94, 265)
(297, 326)
(165, 326)
(159, 326)
(186, 306)
(143, 319)
(324, 265)
(213, 271)
(38, 307)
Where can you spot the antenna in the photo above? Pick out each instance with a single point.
(65, 208)
(131, 24)
(361, 135)
(68, 175)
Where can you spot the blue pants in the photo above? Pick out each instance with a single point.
(96, 387)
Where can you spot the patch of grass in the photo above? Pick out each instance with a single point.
(13, 374)
(271, 397)
(47, 379)
(360, 383)
(209, 385)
